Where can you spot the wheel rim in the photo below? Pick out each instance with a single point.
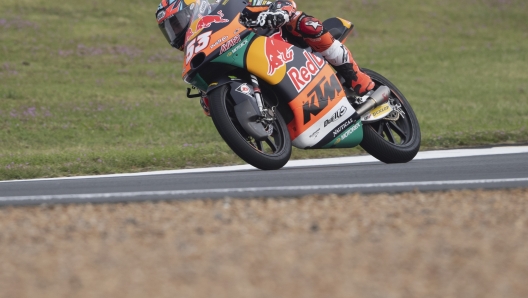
(273, 145)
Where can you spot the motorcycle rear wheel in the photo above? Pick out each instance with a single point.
(392, 141)
(270, 154)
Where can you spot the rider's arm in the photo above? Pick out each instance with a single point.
(269, 14)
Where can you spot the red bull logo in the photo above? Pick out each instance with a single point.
(302, 76)
(278, 54)
(206, 21)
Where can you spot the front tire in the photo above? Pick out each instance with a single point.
(270, 154)
(389, 140)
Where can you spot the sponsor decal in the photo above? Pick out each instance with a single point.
(314, 135)
(342, 127)
(383, 109)
(318, 98)
(347, 133)
(197, 45)
(205, 22)
(278, 54)
(229, 44)
(238, 47)
(386, 97)
(161, 15)
(203, 6)
(244, 89)
(219, 41)
(335, 116)
(301, 77)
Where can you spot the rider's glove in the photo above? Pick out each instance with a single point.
(273, 19)
(249, 16)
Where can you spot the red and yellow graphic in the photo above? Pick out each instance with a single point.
(208, 41)
(267, 58)
(205, 22)
(277, 53)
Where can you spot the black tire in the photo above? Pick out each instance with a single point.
(271, 154)
(392, 141)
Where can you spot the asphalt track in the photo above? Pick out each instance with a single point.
(484, 168)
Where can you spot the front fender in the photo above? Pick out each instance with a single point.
(246, 107)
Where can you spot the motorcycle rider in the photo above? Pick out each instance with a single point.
(173, 19)
(284, 13)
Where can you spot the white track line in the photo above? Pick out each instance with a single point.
(251, 190)
(311, 162)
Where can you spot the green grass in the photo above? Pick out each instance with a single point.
(92, 87)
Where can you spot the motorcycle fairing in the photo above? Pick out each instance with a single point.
(350, 136)
(299, 78)
(236, 54)
(325, 132)
(208, 34)
(307, 83)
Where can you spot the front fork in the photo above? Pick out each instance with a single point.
(268, 115)
(258, 93)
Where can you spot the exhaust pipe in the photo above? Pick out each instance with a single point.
(379, 97)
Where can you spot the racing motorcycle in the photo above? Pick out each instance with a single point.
(267, 93)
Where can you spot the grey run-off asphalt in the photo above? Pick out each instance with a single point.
(484, 168)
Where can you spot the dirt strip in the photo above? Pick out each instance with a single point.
(441, 244)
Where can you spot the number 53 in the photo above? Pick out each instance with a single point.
(197, 45)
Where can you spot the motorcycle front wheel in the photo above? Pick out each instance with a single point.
(393, 139)
(271, 153)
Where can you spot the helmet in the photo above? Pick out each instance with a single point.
(174, 17)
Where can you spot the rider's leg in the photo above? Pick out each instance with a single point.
(336, 53)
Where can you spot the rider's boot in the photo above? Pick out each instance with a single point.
(341, 59)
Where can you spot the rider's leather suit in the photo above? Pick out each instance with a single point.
(312, 31)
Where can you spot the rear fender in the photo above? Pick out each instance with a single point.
(339, 28)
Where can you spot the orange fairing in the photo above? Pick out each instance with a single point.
(201, 40)
(315, 101)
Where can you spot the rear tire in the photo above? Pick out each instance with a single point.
(392, 141)
(270, 154)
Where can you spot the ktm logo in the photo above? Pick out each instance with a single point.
(325, 91)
